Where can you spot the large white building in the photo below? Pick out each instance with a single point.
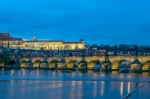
(34, 44)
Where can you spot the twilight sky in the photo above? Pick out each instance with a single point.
(96, 21)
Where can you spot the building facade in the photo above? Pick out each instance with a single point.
(34, 44)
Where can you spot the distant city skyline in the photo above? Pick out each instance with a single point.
(96, 22)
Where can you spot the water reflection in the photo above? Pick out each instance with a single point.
(129, 85)
(102, 88)
(37, 72)
(24, 72)
(121, 89)
(73, 84)
(56, 85)
(18, 72)
(80, 90)
(65, 90)
(95, 89)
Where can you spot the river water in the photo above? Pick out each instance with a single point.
(40, 84)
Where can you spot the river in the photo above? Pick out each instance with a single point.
(40, 84)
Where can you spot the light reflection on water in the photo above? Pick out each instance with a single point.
(102, 88)
(95, 89)
(39, 84)
(121, 88)
(129, 85)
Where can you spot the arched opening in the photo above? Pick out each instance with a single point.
(44, 65)
(146, 66)
(124, 66)
(23, 63)
(36, 64)
(53, 63)
(106, 65)
(62, 65)
(29, 64)
(117, 64)
(91, 64)
(71, 63)
(82, 65)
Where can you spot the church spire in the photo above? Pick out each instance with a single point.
(45, 57)
(81, 40)
(63, 56)
(34, 38)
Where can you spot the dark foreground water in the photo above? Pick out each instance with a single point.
(44, 84)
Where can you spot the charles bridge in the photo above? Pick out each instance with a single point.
(115, 61)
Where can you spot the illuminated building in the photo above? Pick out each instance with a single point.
(5, 38)
(35, 44)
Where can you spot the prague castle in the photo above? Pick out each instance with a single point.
(34, 44)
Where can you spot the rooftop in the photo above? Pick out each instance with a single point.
(4, 35)
(44, 41)
(10, 39)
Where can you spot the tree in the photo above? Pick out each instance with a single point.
(6, 57)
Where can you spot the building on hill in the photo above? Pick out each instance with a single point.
(36, 44)
(4, 35)
(5, 38)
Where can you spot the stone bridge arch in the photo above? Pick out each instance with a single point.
(115, 65)
(90, 58)
(71, 63)
(52, 63)
(50, 59)
(146, 66)
(73, 58)
(23, 63)
(118, 58)
(144, 59)
(36, 63)
(90, 65)
(33, 59)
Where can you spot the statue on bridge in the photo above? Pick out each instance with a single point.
(83, 64)
(29, 63)
(44, 64)
(62, 64)
(106, 65)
